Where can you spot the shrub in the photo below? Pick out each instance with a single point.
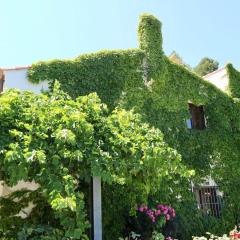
(60, 143)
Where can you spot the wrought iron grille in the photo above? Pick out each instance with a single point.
(209, 200)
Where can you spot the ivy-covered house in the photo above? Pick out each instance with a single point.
(199, 117)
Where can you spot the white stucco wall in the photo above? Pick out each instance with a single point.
(219, 78)
(5, 191)
(17, 78)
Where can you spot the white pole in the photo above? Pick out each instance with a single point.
(97, 208)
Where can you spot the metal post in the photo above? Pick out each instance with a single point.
(97, 208)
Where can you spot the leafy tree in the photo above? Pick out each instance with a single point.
(205, 66)
(60, 143)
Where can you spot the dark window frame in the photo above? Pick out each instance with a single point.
(198, 120)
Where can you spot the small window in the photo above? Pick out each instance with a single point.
(197, 120)
(209, 200)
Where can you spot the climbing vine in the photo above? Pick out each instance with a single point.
(146, 80)
(234, 78)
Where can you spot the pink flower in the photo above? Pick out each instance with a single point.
(165, 210)
(153, 219)
(150, 213)
(145, 208)
(172, 212)
(157, 212)
(167, 217)
(141, 209)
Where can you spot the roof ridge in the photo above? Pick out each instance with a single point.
(15, 68)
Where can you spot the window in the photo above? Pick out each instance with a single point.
(209, 200)
(197, 120)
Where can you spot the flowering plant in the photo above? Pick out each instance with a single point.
(235, 234)
(212, 237)
(158, 213)
(156, 218)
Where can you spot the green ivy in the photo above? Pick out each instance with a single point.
(234, 80)
(150, 41)
(91, 72)
(147, 81)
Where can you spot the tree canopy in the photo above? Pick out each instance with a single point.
(205, 66)
(59, 142)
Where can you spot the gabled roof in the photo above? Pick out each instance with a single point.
(15, 68)
(219, 78)
(214, 72)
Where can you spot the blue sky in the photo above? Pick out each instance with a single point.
(33, 30)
